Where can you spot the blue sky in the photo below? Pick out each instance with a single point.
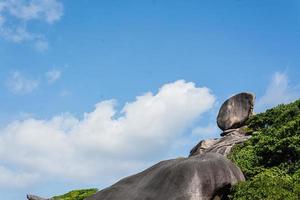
(62, 60)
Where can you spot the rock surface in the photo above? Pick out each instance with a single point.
(33, 197)
(235, 111)
(201, 177)
(222, 145)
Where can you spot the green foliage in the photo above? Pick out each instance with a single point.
(275, 117)
(270, 160)
(245, 157)
(76, 194)
(270, 184)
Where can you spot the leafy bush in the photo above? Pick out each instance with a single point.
(76, 194)
(270, 184)
(270, 160)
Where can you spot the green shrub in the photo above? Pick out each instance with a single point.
(270, 159)
(270, 184)
(76, 194)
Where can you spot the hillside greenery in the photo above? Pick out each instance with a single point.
(270, 159)
(76, 194)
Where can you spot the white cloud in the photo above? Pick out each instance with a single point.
(44, 10)
(53, 75)
(41, 45)
(19, 84)
(278, 91)
(17, 34)
(105, 144)
(15, 16)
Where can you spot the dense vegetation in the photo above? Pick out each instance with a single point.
(76, 194)
(270, 160)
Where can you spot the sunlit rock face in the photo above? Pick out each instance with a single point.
(200, 177)
(33, 197)
(235, 111)
(221, 145)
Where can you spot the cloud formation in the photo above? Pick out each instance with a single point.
(278, 91)
(19, 84)
(106, 142)
(53, 75)
(15, 16)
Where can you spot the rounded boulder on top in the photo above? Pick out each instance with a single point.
(235, 111)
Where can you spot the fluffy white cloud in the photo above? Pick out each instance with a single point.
(19, 84)
(15, 15)
(278, 91)
(44, 10)
(104, 143)
(53, 75)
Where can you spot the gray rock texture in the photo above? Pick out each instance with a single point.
(235, 111)
(202, 146)
(33, 197)
(201, 177)
(222, 145)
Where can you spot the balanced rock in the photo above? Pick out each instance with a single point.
(206, 176)
(235, 111)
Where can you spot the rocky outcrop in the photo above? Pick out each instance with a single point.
(235, 111)
(33, 197)
(221, 145)
(201, 177)
(205, 175)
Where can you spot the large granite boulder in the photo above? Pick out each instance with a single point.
(222, 145)
(201, 177)
(235, 111)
